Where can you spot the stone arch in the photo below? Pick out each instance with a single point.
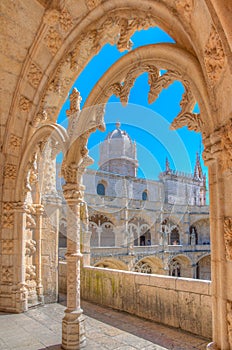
(60, 63)
(180, 266)
(149, 264)
(139, 228)
(102, 229)
(112, 263)
(57, 132)
(203, 267)
(202, 231)
(220, 109)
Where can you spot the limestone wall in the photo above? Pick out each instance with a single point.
(177, 302)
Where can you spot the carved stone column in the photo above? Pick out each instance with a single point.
(85, 234)
(218, 157)
(21, 292)
(39, 288)
(73, 328)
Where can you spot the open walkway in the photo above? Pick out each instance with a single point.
(106, 329)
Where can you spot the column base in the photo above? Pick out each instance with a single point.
(73, 332)
(21, 298)
(212, 346)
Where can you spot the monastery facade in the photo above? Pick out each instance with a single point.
(145, 225)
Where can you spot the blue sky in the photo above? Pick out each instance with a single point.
(147, 124)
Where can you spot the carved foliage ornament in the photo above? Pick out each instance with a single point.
(10, 171)
(24, 104)
(226, 145)
(92, 3)
(7, 246)
(15, 142)
(53, 41)
(185, 7)
(228, 237)
(30, 248)
(214, 56)
(229, 320)
(112, 29)
(54, 16)
(34, 75)
(7, 274)
(219, 146)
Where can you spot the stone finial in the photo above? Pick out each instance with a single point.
(75, 101)
(167, 166)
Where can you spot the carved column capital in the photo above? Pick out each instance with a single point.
(218, 146)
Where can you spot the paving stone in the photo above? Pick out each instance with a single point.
(107, 329)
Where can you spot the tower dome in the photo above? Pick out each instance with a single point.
(118, 153)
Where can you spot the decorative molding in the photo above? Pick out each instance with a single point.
(7, 274)
(214, 56)
(185, 8)
(87, 45)
(129, 26)
(39, 118)
(15, 142)
(30, 247)
(51, 16)
(91, 4)
(219, 146)
(226, 146)
(34, 75)
(7, 246)
(55, 16)
(65, 20)
(229, 320)
(53, 41)
(24, 104)
(191, 120)
(30, 273)
(228, 237)
(10, 171)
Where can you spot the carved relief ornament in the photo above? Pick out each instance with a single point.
(219, 146)
(214, 56)
(15, 142)
(10, 171)
(228, 237)
(185, 8)
(229, 320)
(34, 75)
(53, 41)
(111, 30)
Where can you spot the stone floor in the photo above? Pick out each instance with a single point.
(106, 329)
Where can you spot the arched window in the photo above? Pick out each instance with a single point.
(101, 189)
(144, 195)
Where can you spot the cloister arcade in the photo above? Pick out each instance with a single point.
(48, 52)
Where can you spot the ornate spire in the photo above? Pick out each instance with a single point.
(118, 124)
(167, 166)
(198, 173)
